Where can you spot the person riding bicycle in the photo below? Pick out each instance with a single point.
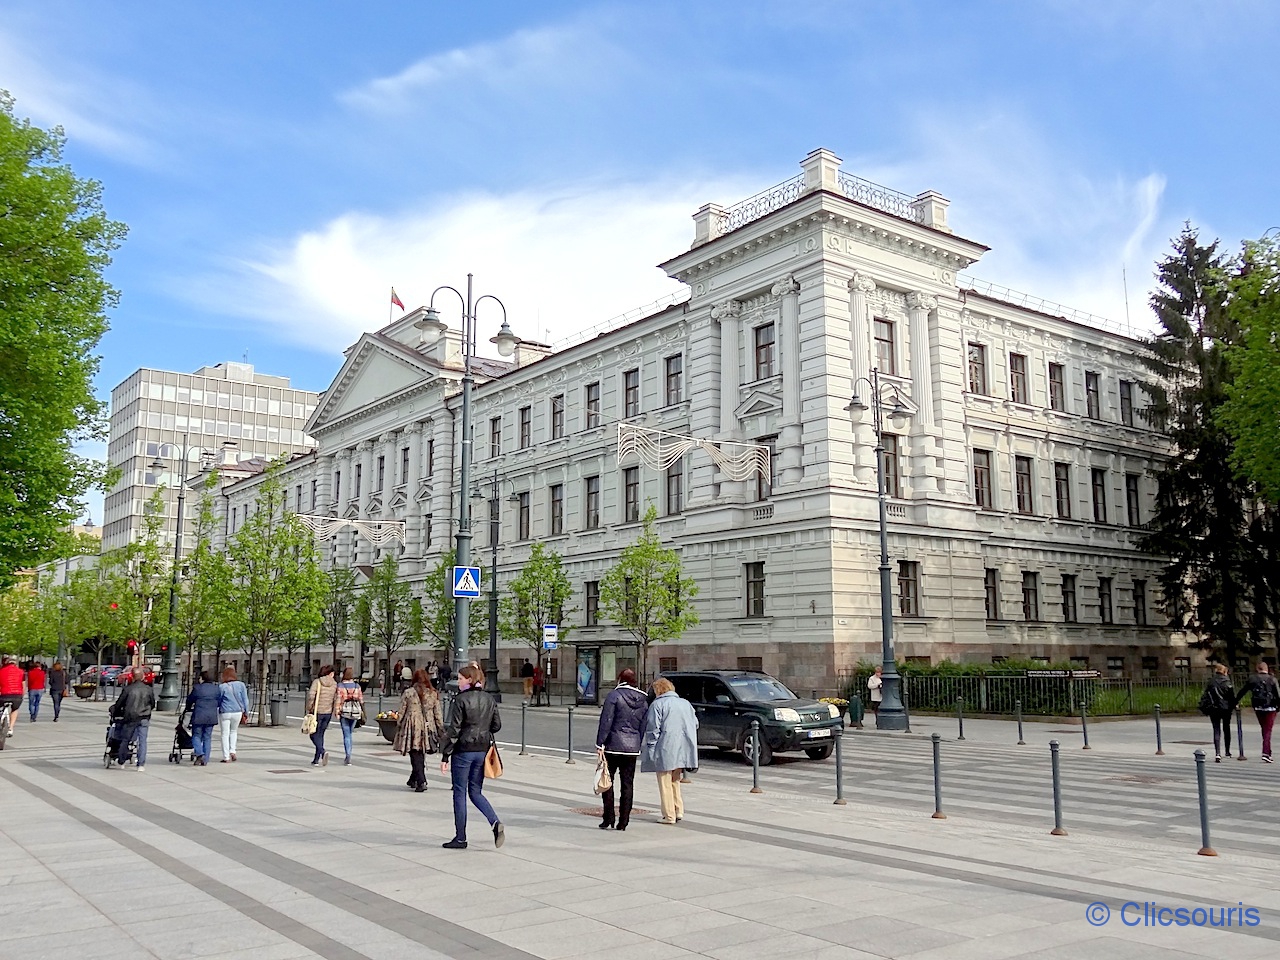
(11, 690)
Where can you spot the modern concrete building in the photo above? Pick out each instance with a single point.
(1017, 488)
(154, 413)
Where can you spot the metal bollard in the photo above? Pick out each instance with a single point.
(1084, 723)
(960, 716)
(1057, 830)
(1159, 738)
(937, 777)
(1017, 706)
(839, 801)
(1240, 735)
(524, 716)
(1205, 850)
(571, 760)
(755, 757)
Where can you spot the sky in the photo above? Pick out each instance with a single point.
(282, 165)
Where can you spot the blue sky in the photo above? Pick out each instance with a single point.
(282, 164)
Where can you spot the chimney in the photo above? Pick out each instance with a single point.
(932, 208)
(530, 351)
(821, 171)
(707, 224)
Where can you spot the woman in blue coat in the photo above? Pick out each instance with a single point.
(618, 744)
(202, 701)
(670, 746)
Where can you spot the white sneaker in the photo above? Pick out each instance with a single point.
(141, 768)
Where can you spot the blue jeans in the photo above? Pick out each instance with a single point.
(467, 773)
(33, 702)
(322, 724)
(348, 726)
(57, 704)
(202, 740)
(136, 729)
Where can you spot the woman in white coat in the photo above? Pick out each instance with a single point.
(669, 746)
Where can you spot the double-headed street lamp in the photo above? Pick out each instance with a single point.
(891, 715)
(506, 341)
(495, 529)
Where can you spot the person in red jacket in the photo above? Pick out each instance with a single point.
(11, 690)
(36, 681)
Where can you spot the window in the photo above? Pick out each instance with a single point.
(755, 664)
(982, 479)
(1098, 483)
(382, 473)
(431, 457)
(1132, 499)
(404, 465)
(1022, 481)
(557, 416)
(892, 466)
(337, 485)
(495, 436)
(1126, 403)
(1057, 387)
(297, 499)
(1182, 663)
(1069, 598)
(1140, 602)
(631, 393)
(764, 351)
(591, 507)
(591, 393)
(909, 588)
(630, 494)
(977, 368)
(359, 477)
(526, 427)
(764, 484)
(1115, 664)
(1062, 489)
(991, 592)
(314, 484)
(1018, 378)
(1150, 667)
(674, 379)
(557, 509)
(592, 606)
(755, 589)
(675, 488)
(886, 355)
(1030, 596)
(1092, 398)
(667, 665)
(495, 521)
(1104, 600)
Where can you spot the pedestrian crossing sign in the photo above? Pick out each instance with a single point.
(466, 582)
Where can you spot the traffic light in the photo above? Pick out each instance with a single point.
(113, 605)
(133, 646)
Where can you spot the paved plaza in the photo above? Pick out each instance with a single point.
(272, 859)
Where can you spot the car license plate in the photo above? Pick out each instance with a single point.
(815, 734)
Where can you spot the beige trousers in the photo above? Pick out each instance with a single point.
(669, 794)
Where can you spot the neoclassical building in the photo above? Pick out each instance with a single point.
(1018, 486)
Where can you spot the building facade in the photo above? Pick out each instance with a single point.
(1017, 487)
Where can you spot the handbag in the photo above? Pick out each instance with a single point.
(603, 782)
(492, 763)
(309, 721)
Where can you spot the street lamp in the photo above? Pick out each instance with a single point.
(495, 530)
(431, 328)
(891, 715)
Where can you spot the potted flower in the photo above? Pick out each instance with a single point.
(85, 689)
(388, 720)
(840, 704)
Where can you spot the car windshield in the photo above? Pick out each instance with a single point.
(756, 689)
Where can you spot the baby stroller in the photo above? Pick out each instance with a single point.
(181, 739)
(115, 744)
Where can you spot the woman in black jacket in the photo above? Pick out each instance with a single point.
(1216, 703)
(618, 744)
(473, 720)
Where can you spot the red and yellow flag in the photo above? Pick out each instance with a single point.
(396, 300)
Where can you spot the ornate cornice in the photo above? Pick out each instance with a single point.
(918, 300)
(726, 310)
(861, 283)
(785, 286)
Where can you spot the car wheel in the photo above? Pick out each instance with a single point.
(819, 753)
(749, 748)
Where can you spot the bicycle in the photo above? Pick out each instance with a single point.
(6, 709)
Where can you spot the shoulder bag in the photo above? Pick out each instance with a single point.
(309, 722)
(492, 763)
(603, 784)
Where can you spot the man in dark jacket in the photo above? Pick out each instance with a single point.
(1264, 696)
(133, 708)
(618, 743)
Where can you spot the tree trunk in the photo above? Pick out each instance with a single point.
(262, 686)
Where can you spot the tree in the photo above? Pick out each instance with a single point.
(144, 565)
(438, 608)
(536, 596)
(276, 584)
(55, 244)
(389, 604)
(646, 593)
(201, 620)
(29, 621)
(97, 609)
(339, 599)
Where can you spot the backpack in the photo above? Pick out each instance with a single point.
(351, 709)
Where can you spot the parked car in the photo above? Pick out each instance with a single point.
(726, 701)
(104, 676)
(125, 676)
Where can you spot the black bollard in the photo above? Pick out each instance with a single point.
(571, 760)
(1017, 706)
(755, 757)
(1057, 830)
(960, 716)
(1239, 735)
(524, 716)
(1159, 738)
(1084, 723)
(839, 801)
(1205, 849)
(937, 777)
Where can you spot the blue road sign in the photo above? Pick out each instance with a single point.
(466, 582)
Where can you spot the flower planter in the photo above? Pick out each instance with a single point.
(388, 728)
(84, 690)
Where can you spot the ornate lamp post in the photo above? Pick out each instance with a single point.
(892, 715)
(506, 341)
(495, 529)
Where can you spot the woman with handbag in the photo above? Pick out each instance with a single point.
(618, 745)
(233, 709)
(320, 711)
(348, 707)
(470, 750)
(420, 726)
(1217, 703)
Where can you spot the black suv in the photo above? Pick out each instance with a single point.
(726, 702)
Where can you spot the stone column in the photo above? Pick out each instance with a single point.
(919, 306)
(365, 454)
(728, 313)
(859, 343)
(414, 540)
(791, 436)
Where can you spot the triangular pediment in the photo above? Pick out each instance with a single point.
(424, 491)
(398, 499)
(757, 404)
(376, 370)
(352, 512)
(375, 506)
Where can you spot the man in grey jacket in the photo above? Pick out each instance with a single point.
(618, 744)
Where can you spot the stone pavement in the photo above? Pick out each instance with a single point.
(270, 858)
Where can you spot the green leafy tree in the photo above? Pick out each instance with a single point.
(144, 565)
(646, 593)
(29, 621)
(537, 595)
(98, 609)
(202, 613)
(390, 608)
(438, 609)
(276, 584)
(339, 603)
(55, 244)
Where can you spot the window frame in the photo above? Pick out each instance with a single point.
(557, 416)
(524, 431)
(1062, 494)
(1098, 492)
(892, 466)
(991, 593)
(631, 392)
(675, 488)
(673, 379)
(764, 350)
(976, 360)
(1058, 387)
(1133, 499)
(1126, 402)
(1030, 596)
(495, 436)
(1019, 391)
(983, 489)
(1106, 600)
(1093, 395)
(755, 591)
(1070, 605)
(524, 515)
(886, 347)
(1140, 603)
(765, 485)
(591, 405)
(591, 502)
(630, 494)
(1024, 485)
(591, 603)
(556, 519)
(909, 588)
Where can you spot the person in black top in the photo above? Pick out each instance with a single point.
(1217, 702)
(133, 708)
(1264, 697)
(473, 720)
